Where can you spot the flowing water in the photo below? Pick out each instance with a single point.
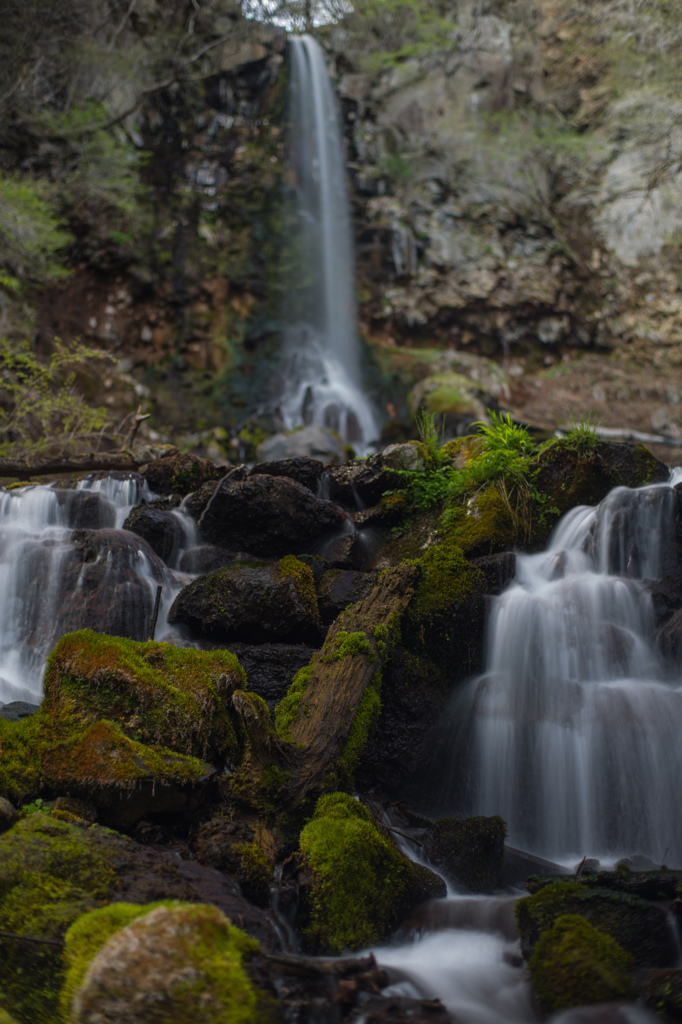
(66, 564)
(570, 735)
(320, 371)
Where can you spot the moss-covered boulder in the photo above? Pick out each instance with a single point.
(251, 602)
(175, 697)
(469, 850)
(639, 927)
(53, 870)
(362, 885)
(173, 965)
(575, 964)
(122, 778)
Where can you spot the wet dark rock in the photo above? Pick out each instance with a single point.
(470, 851)
(346, 552)
(161, 529)
(8, 814)
(206, 558)
(669, 638)
(87, 510)
(363, 481)
(639, 927)
(303, 470)
(101, 587)
(196, 502)
(268, 515)
(148, 833)
(181, 473)
(250, 602)
(270, 668)
(498, 570)
(317, 565)
(339, 588)
(17, 710)
(230, 845)
(78, 808)
(412, 697)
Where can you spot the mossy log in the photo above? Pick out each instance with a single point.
(340, 700)
(129, 460)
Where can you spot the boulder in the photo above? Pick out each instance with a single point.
(87, 510)
(340, 587)
(659, 885)
(470, 851)
(663, 994)
(302, 469)
(173, 964)
(576, 964)
(361, 885)
(161, 529)
(18, 709)
(669, 638)
(103, 585)
(252, 602)
(270, 668)
(314, 442)
(181, 473)
(639, 927)
(195, 503)
(268, 515)
(52, 871)
(157, 693)
(362, 482)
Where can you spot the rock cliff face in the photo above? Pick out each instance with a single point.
(516, 189)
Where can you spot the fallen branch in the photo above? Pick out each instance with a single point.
(626, 434)
(128, 460)
(32, 938)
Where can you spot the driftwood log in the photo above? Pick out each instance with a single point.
(127, 460)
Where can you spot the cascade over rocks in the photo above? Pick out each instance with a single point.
(251, 602)
(268, 515)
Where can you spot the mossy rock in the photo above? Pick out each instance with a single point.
(175, 697)
(575, 964)
(446, 615)
(174, 964)
(98, 763)
(640, 928)
(487, 525)
(469, 850)
(362, 885)
(252, 603)
(448, 393)
(663, 994)
(51, 872)
(5, 1017)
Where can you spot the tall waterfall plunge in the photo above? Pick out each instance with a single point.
(320, 370)
(572, 732)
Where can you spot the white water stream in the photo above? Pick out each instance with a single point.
(570, 734)
(321, 376)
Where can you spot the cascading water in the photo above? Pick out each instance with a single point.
(570, 734)
(66, 564)
(320, 371)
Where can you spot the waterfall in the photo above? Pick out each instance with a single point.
(66, 564)
(571, 732)
(320, 370)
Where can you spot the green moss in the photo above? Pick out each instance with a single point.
(304, 581)
(632, 922)
(663, 993)
(366, 716)
(362, 883)
(254, 872)
(193, 963)
(20, 774)
(88, 934)
(51, 872)
(5, 1018)
(345, 645)
(157, 693)
(575, 964)
(485, 526)
(287, 709)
